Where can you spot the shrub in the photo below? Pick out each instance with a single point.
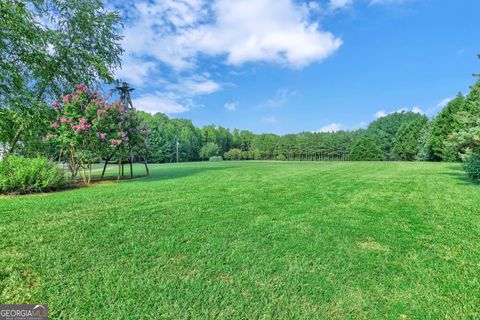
(233, 154)
(472, 166)
(22, 175)
(281, 157)
(216, 159)
(209, 150)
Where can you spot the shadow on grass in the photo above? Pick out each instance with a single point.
(158, 173)
(456, 171)
(168, 173)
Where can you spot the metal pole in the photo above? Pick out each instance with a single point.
(177, 150)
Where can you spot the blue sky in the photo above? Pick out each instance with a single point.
(285, 66)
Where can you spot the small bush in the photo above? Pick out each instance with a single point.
(281, 157)
(22, 175)
(209, 150)
(216, 159)
(233, 154)
(472, 167)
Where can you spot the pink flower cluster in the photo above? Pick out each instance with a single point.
(67, 98)
(81, 88)
(48, 137)
(123, 135)
(101, 135)
(56, 105)
(82, 126)
(115, 142)
(55, 125)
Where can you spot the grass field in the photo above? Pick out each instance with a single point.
(251, 240)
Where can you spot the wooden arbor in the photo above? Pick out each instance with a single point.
(124, 91)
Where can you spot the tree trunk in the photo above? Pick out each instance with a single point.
(146, 166)
(13, 143)
(105, 166)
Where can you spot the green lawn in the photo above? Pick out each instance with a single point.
(251, 240)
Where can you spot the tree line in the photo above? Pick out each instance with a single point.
(48, 47)
(400, 136)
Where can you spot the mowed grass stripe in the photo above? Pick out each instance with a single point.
(280, 240)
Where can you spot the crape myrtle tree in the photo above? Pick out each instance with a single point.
(46, 47)
(87, 128)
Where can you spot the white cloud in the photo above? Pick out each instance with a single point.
(417, 110)
(379, 114)
(135, 70)
(281, 97)
(444, 102)
(332, 127)
(160, 102)
(388, 1)
(383, 113)
(231, 106)
(178, 96)
(170, 39)
(194, 86)
(177, 32)
(337, 4)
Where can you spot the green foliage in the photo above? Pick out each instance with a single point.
(23, 175)
(220, 136)
(407, 140)
(281, 157)
(366, 149)
(209, 150)
(215, 159)
(164, 134)
(47, 47)
(443, 125)
(233, 154)
(472, 166)
(424, 153)
(385, 129)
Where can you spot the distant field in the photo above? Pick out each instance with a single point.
(250, 240)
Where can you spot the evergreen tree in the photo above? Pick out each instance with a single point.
(443, 125)
(366, 149)
(384, 129)
(406, 144)
(424, 153)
